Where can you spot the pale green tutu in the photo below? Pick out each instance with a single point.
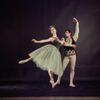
(48, 57)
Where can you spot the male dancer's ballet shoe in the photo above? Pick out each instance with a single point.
(23, 61)
(72, 85)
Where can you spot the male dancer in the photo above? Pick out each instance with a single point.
(70, 55)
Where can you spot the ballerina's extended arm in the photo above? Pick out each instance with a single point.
(42, 41)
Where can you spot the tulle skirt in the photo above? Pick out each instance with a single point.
(48, 57)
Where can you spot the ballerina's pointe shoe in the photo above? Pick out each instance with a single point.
(56, 83)
(22, 61)
(52, 83)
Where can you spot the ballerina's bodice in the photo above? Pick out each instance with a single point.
(56, 43)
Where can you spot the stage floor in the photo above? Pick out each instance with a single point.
(50, 98)
(44, 89)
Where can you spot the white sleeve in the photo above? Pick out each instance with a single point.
(75, 37)
(69, 45)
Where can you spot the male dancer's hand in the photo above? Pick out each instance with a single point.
(75, 20)
(74, 46)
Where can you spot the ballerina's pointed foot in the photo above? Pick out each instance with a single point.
(72, 85)
(52, 83)
(22, 61)
(56, 83)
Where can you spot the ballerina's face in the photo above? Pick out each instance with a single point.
(53, 30)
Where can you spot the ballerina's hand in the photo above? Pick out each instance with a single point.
(62, 39)
(34, 40)
(65, 43)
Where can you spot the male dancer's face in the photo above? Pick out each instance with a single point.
(67, 34)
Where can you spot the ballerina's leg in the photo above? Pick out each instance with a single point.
(25, 61)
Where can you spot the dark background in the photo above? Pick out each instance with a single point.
(22, 20)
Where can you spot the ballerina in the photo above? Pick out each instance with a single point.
(48, 57)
